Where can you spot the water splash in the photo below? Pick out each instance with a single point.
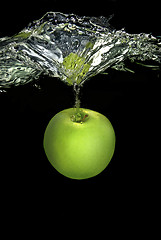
(72, 48)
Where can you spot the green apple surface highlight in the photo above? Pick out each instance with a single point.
(79, 145)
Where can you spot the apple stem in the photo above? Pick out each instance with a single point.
(79, 117)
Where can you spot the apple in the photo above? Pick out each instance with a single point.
(79, 143)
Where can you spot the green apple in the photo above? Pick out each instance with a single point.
(79, 143)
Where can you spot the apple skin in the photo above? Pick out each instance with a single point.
(79, 150)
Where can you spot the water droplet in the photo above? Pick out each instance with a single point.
(37, 86)
(2, 91)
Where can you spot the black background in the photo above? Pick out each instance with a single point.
(130, 101)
